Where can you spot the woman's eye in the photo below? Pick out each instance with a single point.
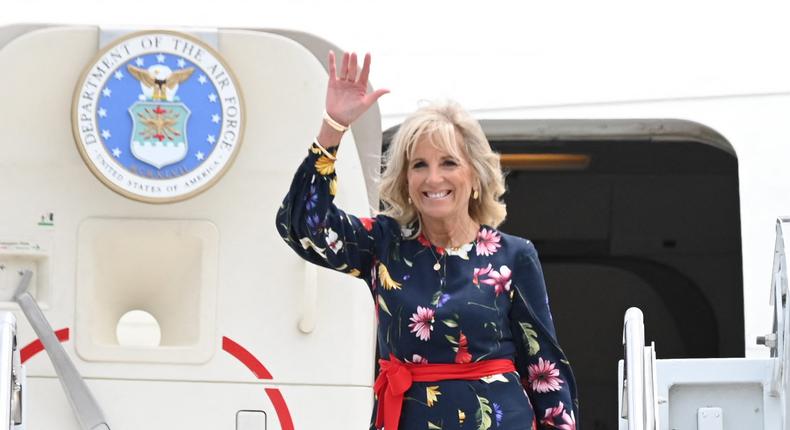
(449, 163)
(418, 164)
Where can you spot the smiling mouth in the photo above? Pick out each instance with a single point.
(437, 195)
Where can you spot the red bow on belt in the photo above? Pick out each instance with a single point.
(395, 378)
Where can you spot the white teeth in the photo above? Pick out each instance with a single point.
(438, 195)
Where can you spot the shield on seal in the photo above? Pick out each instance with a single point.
(159, 132)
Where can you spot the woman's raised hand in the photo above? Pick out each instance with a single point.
(347, 96)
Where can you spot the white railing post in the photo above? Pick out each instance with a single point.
(7, 330)
(11, 375)
(634, 343)
(639, 379)
(309, 307)
(779, 341)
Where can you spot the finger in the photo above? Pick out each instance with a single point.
(332, 68)
(363, 76)
(375, 95)
(344, 66)
(352, 68)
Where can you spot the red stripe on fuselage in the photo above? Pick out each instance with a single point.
(36, 346)
(228, 345)
(283, 414)
(249, 360)
(257, 369)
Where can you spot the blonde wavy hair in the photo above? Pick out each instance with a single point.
(439, 122)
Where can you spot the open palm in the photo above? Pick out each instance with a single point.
(347, 96)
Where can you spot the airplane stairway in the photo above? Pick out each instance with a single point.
(710, 393)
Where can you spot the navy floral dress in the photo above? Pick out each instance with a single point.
(484, 300)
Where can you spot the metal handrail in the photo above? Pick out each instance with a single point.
(779, 339)
(7, 333)
(651, 388)
(639, 386)
(634, 344)
(86, 409)
(11, 374)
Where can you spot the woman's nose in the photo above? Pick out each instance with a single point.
(434, 176)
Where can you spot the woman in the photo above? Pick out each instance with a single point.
(464, 322)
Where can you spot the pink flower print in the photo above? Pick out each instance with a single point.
(480, 272)
(544, 376)
(422, 322)
(569, 421)
(418, 359)
(499, 280)
(487, 242)
(554, 412)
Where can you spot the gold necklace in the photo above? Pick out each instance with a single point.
(438, 265)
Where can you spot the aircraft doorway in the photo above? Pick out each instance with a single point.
(628, 213)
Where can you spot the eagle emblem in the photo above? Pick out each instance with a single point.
(158, 135)
(158, 116)
(158, 81)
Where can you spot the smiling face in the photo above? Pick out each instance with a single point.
(440, 181)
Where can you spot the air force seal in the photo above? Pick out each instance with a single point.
(158, 117)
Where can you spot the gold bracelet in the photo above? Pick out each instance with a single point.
(334, 124)
(321, 147)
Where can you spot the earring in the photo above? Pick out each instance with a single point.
(409, 198)
(475, 194)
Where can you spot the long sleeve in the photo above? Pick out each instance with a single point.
(316, 229)
(546, 373)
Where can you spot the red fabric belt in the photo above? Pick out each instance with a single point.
(395, 378)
